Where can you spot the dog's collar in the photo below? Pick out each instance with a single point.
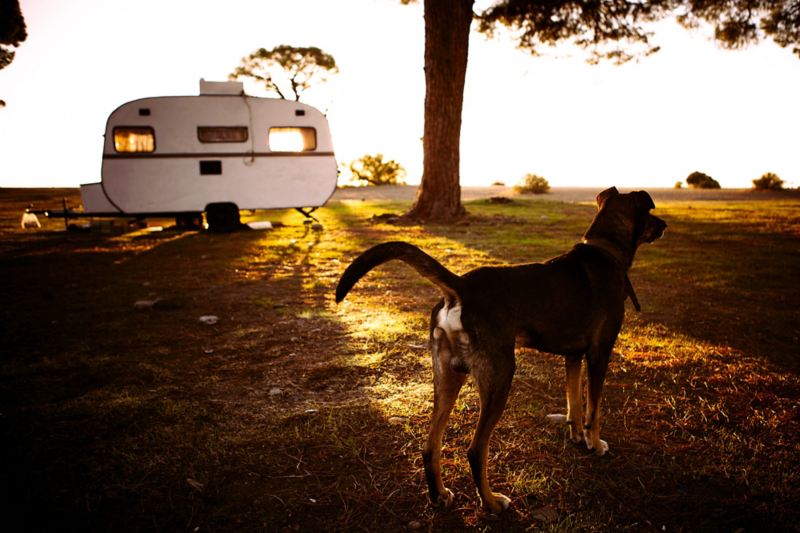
(613, 253)
(611, 250)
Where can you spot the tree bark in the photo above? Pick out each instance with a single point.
(447, 27)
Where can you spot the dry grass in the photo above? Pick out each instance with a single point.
(293, 413)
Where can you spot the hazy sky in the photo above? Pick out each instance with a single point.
(692, 106)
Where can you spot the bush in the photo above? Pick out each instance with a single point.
(533, 184)
(699, 180)
(373, 170)
(679, 185)
(768, 182)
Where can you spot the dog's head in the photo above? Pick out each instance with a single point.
(625, 219)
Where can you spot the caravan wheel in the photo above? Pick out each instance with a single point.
(223, 218)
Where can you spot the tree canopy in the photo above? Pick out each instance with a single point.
(603, 26)
(533, 184)
(617, 30)
(373, 170)
(701, 180)
(738, 23)
(287, 70)
(769, 181)
(12, 32)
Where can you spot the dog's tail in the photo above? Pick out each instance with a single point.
(428, 267)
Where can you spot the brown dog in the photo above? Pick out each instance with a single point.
(572, 305)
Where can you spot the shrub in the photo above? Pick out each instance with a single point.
(768, 182)
(533, 184)
(679, 185)
(373, 170)
(699, 180)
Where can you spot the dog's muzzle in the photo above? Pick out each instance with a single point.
(654, 229)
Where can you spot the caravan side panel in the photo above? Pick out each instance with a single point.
(174, 171)
(94, 199)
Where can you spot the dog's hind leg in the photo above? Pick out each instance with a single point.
(493, 379)
(596, 365)
(447, 383)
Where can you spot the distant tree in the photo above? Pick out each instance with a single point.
(287, 70)
(610, 29)
(373, 170)
(533, 184)
(679, 185)
(12, 32)
(700, 180)
(768, 182)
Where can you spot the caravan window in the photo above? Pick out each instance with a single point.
(134, 139)
(222, 134)
(294, 139)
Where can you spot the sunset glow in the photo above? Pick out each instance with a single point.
(692, 106)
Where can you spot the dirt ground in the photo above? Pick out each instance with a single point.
(122, 410)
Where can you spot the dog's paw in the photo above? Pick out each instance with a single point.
(445, 499)
(502, 499)
(556, 419)
(575, 436)
(500, 503)
(600, 449)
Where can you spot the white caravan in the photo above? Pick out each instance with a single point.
(218, 153)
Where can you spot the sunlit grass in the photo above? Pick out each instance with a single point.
(382, 326)
(530, 480)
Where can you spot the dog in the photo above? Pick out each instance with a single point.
(571, 305)
(30, 221)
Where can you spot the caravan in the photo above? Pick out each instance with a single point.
(216, 153)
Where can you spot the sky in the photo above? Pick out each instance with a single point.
(692, 106)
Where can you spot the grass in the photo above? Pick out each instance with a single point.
(294, 413)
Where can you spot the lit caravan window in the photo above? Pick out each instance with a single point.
(134, 139)
(292, 139)
(222, 134)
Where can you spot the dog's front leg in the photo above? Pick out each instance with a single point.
(493, 378)
(446, 385)
(574, 416)
(574, 399)
(596, 366)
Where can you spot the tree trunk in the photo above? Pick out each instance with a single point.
(447, 27)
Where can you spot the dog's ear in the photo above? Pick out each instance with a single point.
(611, 191)
(643, 200)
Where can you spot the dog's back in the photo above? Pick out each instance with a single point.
(552, 306)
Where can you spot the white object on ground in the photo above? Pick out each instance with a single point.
(260, 224)
(145, 304)
(30, 221)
